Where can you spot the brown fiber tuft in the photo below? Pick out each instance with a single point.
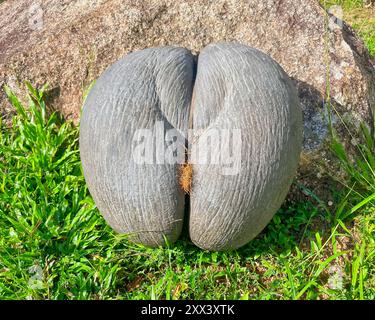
(186, 174)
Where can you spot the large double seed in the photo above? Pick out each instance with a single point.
(232, 88)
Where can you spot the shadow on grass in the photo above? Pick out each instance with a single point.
(294, 225)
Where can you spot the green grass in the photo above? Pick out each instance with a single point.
(345, 4)
(360, 16)
(54, 244)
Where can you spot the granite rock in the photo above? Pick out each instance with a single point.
(70, 43)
